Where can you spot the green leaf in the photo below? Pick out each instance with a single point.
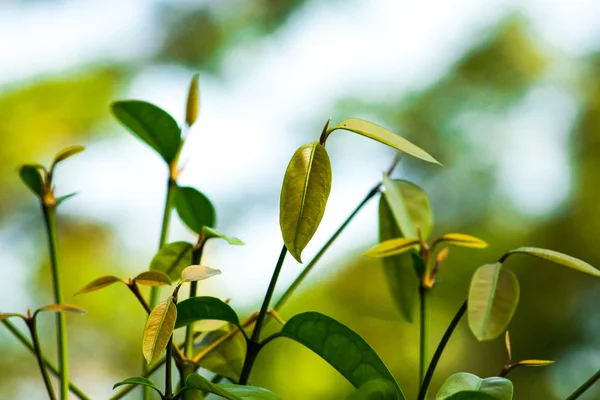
(384, 136)
(60, 199)
(399, 272)
(151, 124)
(558, 258)
(496, 388)
(194, 209)
(460, 239)
(392, 247)
(226, 359)
(152, 278)
(471, 395)
(139, 381)
(250, 392)
(100, 283)
(493, 299)
(195, 273)
(173, 258)
(304, 194)
(198, 382)
(340, 346)
(66, 153)
(32, 177)
(410, 207)
(210, 233)
(158, 330)
(379, 389)
(204, 307)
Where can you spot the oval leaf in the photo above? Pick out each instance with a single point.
(410, 207)
(194, 209)
(198, 382)
(66, 153)
(392, 247)
(99, 284)
(203, 308)
(210, 233)
(198, 273)
(173, 258)
(460, 239)
(193, 102)
(139, 381)
(558, 258)
(226, 359)
(62, 308)
(158, 330)
(340, 346)
(32, 177)
(493, 299)
(378, 389)
(151, 124)
(249, 392)
(384, 136)
(152, 278)
(496, 388)
(304, 194)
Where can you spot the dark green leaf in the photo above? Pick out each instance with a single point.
(32, 177)
(139, 381)
(194, 209)
(470, 395)
(469, 384)
(379, 389)
(210, 233)
(559, 258)
(204, 307)
(173, 258)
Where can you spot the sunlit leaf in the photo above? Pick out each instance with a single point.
(193, 102)
(173, 258)
(226, 359)
(194, 209)
(378, 389)
(152, 278)
(460, 239)
(493, 299)
(158, 330)
(304, 194)
(340, 346)
(496, 388)
(384, 136)
(99, 284)
(210, 233)
(66, 153)
(139, 381)
(198, 273)
(60, 199)
(410, 207)
(62, 308)
(151, 124)
(534, 363)
(558, 258)
(392, 247)
(32, 177)
(229, 391)
(204, 308)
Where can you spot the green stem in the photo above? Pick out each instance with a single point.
(424, 331)
(189, 333)
(254, 342)
(49, 211)
(586, 385)
(168, 370)
(440, 349)
(40, 357)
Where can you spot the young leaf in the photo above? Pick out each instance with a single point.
(139, 381)
(210, 233)
(229, 391)
(151, 124)
(61, 308)
(497, 388)
(226, 359)
(194, 209)
(198, 273)
(4, 316)
(533, 363)
(202, 308)
(173, 258)
(193, 102)
(493, 299)
(410, 207)
(65, 153)
(400, 275)
(158, 330)
(152, 278)
(32, 177)
(392, 247)
(304, 194)
(341, 347)
(382, 135)
(460, 239)
(99, 284)
(60, 199)
(558, 258)
(508, 346)
(378, 389)
(250, 392)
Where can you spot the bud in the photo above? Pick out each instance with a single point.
(193, 102)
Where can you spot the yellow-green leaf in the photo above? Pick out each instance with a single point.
(66, 153)
(198, 273)
(158, 330)
(460, 239)
(534, 363)
(193, 102)
(61, 308)
(558, 258)
(392, 247)
(9, 315)
(304, 195)
(210, 233)
(410, 207)
(153, 278)
(99, 284)
(495, 387)
(172, 258)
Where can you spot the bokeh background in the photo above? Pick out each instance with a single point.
(505, 93)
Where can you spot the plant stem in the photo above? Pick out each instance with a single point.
(586, 385)
(49, 211)
(168, 371)
(440, 349)
(254, 342)
(40, 357)
(424, 331)
(189, 333)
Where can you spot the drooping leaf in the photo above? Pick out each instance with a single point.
(392, 247)
(460, 239)
(378, 389)
(382, 135)
(250, 392)
(100, 283)
(204, 308)
(66, 153)
(194, 209)
(410, 207)
(497, 388)
(173, 258)
(152, 278)
(32, 177)
(193, 102)
(60, 199)
(139, 381)
(226, 359)
(399, 272)
(304, 194)
(210, 233)
(559, 258)
(151, 124)
(9, 315)
(198, 273)
(158, 330)
(340, 346)
(493, 299)
(62, 308)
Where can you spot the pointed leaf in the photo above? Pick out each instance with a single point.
(62, 308)
(60, 199)
(158, 330)
(497, 388)
(508, 346)
(99, 284)
(152, 278)
(210, 233)
(194, 209)
(378, 389)
(66, 153)
(534, 363)
(341, 347)
(139, 381)
(226, 359)
(249, 392)
(493, 299)
(173, 258)
(193, 102)
(198, 273)
(204, 308)
(32, 177)
(558, 258)
(304, 194)
(151, 124)
(410, 207)
(460, 239)
(384, 136)
(198, 382)
(392, 247)
(4, 316)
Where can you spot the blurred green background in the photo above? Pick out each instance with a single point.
(505, 94)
